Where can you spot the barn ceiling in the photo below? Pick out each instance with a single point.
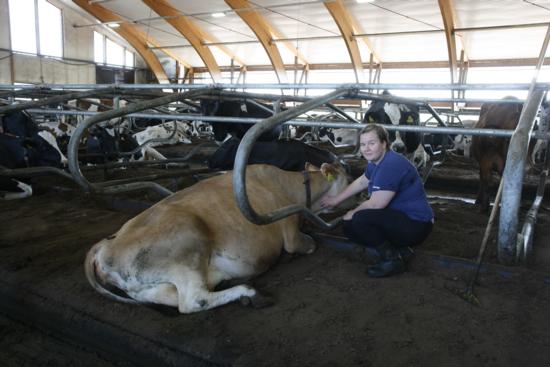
(280, 34)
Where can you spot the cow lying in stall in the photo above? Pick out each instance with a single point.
(406, 143)
(290, 155)
(176, 252)
(489, 151)
(10, 188)
(23, 145)
(163, 134)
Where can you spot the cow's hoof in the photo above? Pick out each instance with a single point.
(257, 301)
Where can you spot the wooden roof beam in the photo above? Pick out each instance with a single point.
(447, 12)
(206, 37)
(360, 33)
(264, 32)
(168, 53)
(211, 39)
(189, 30)
(130, 34)
(343, 19)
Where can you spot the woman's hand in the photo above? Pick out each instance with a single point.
(349, 215)
(329, 202)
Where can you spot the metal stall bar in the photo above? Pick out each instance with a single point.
(243, 152)
(515, 166)
(332, 124)
(342, 113)
(34, 171)
(52, 100)
(361, 86)
(72, 150)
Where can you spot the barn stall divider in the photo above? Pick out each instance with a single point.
(133, 109)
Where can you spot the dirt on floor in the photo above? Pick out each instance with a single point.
(327, 311)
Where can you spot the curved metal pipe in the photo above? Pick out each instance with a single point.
(51, 100)
(116, 189)
(72, 150)
(531, 216)
(243, 152)
(34, 171)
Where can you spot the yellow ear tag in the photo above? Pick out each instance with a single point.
(410, 120)
(330, 177)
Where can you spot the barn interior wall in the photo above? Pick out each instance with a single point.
(77, 67)
(5, 59)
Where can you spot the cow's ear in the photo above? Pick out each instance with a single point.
(329, 171)
(311, 167)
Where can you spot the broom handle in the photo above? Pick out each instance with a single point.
(487, 233)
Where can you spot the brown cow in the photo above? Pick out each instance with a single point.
(490, 151)
(177, 251)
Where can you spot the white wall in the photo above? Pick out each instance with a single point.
(77, 44)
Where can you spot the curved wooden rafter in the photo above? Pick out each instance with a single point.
(211, 39)
(190, 31)
(299, 56)
(263, 31)
(130, 34)
(344, 22)
(168, 53)
(447, 12)
(359, 30)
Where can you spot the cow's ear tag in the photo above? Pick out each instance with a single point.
(371, 119)
(243, 107)
(410, 120)
(330, 177)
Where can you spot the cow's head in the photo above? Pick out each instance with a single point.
(335, 175)
(377, 114)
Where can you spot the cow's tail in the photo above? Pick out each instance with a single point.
(108, 290)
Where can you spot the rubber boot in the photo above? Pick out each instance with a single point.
(406, 253)
(366, 255)
(391, 262)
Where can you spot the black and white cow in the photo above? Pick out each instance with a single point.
(21, 145)
(237, 109)
(407, 143)
(21, 136)
(290, 155)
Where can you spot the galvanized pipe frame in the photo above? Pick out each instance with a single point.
(513, 175)
(51, 100)
(312, 123)
(506, 250)
(359, 86)
(34, 171)
(243, 152)
(72, 150)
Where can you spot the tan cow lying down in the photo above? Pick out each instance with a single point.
(177, 251)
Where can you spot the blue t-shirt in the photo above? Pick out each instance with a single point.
(395, 173)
